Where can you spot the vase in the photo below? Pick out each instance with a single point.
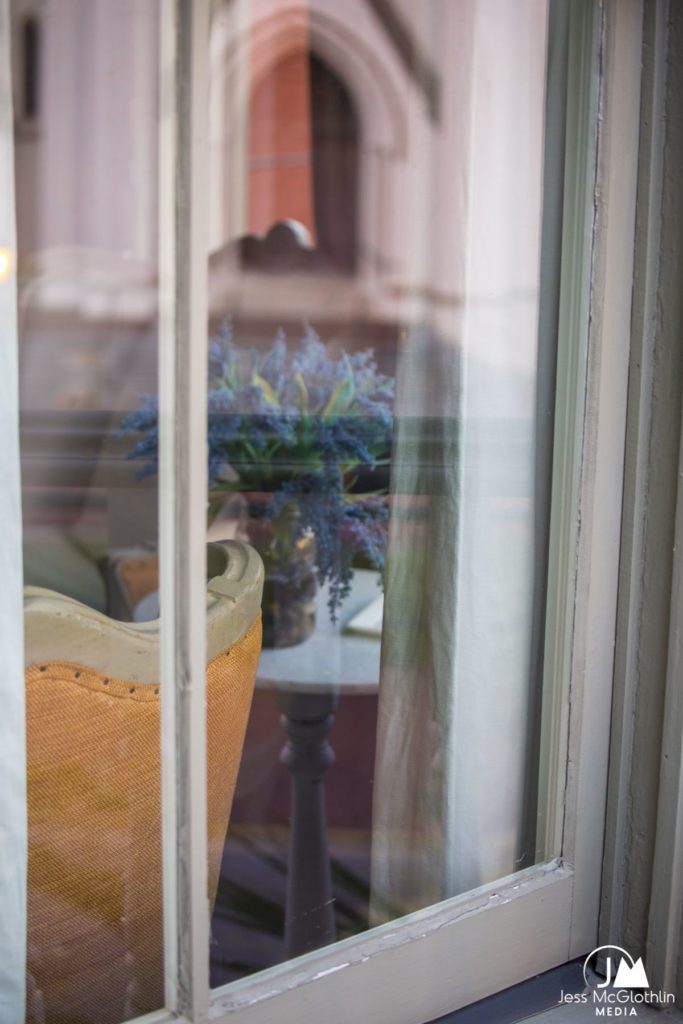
(290, 584)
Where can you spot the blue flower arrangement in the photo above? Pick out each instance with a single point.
(302, 428)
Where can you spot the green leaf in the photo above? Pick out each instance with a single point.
(303, 390)
(268, 392)
(343, 395)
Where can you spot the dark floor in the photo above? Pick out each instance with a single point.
(248, 920)
(522, 1001)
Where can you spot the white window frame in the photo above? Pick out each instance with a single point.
(183, 276)
(642, 887)
(431, 962)
(13, 805)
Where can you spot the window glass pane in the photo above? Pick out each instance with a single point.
(380, 422)
(86, 106)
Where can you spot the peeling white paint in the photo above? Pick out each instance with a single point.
(330, 970)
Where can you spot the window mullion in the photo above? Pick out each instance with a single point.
(13, 820)
(183, 488)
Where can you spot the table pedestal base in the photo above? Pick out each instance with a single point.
(309, 911)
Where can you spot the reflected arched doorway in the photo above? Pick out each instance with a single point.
(335, 132)
(304, 156)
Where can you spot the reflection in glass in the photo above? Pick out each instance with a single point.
(86, 116)
(376, 184)
(375, 380)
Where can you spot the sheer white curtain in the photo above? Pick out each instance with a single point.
(13, 842)
(451, 776)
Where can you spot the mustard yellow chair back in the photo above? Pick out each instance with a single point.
(93, 737)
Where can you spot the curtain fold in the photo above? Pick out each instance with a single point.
(454, 760)
(13, 829)
(416, 707)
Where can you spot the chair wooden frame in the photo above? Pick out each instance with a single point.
(58, 628)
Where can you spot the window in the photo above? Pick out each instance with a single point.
(427, 459)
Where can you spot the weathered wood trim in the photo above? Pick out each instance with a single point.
(641, 903)
(572, 333)
(13, 823)
(603, 461)
(665, 924)
(664, 947)
(417, 967)
(183, 256)
(623, 909)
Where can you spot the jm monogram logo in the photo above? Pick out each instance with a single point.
(623, 990)
(630, 973)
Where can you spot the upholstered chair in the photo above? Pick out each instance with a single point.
(95, 947)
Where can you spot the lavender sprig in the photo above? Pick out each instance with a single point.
(300, 424)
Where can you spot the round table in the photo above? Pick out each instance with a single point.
(331, 659)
